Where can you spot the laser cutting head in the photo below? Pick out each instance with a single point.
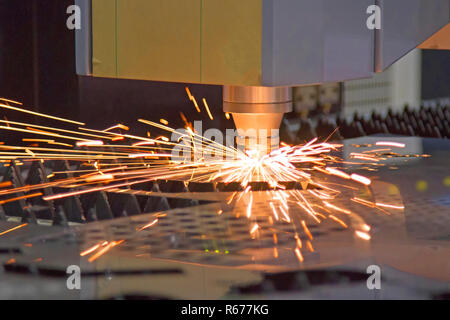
(257, 113)
(253, 47)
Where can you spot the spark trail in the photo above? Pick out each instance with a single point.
(113, 159)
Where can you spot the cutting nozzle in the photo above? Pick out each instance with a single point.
(257, 113)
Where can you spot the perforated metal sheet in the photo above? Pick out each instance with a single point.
(209, 251)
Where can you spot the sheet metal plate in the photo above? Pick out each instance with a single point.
(197, 253)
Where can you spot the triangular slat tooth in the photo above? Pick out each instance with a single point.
(29, 216)
(14, 209)
(123, 205)
(2, 214)
(62, 166)
(146, 186)
(155, 204)
(155, 188)
(172, 186)
(102, 207)
(180, 202)
(201, 187)
(73, 209)
(132, 206)
(91, 215)
(13, 174)
(304, 184)
(17, 208)
(60, 218)
(37, 175)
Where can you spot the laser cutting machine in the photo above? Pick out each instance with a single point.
(256, 49)
(183, 238)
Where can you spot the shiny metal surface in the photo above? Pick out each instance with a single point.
(256, 110)
(208, 251)
(248, 94)
(258, 42)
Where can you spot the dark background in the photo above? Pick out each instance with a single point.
(37, 67)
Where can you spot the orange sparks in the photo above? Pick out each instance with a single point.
(249, 207)
(162, 138)
(5, 184)
(91, 143)
(299, 255)
(362, 235)
(196, 105)
(117, 126)
(41, 131)
(101, 252)
(11, 101)
(275, 238)
(275, 252)
(299, 241)
(342, 223)
(192, 98)
(185, 120)
(378, 204)
(338, 173)
(143, 155)
(230, 199)
(254, 228)
(100, 177)
(21, 198)
(90, 250)
(80, 192)
(390, 144)
(13, 229)
(310, 246)
(309, 210)
(376, 150)
(288, 163)
(143, 143)
(305, 227)
(40, 114)
(189, 93)
(363, 202)
(284, 213)
(332, 206)
(151, 224)
(364, 157)
(360, 179)
(104, 250)
(207, 109)
(274, 210)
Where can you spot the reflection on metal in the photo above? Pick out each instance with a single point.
(215, 251)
